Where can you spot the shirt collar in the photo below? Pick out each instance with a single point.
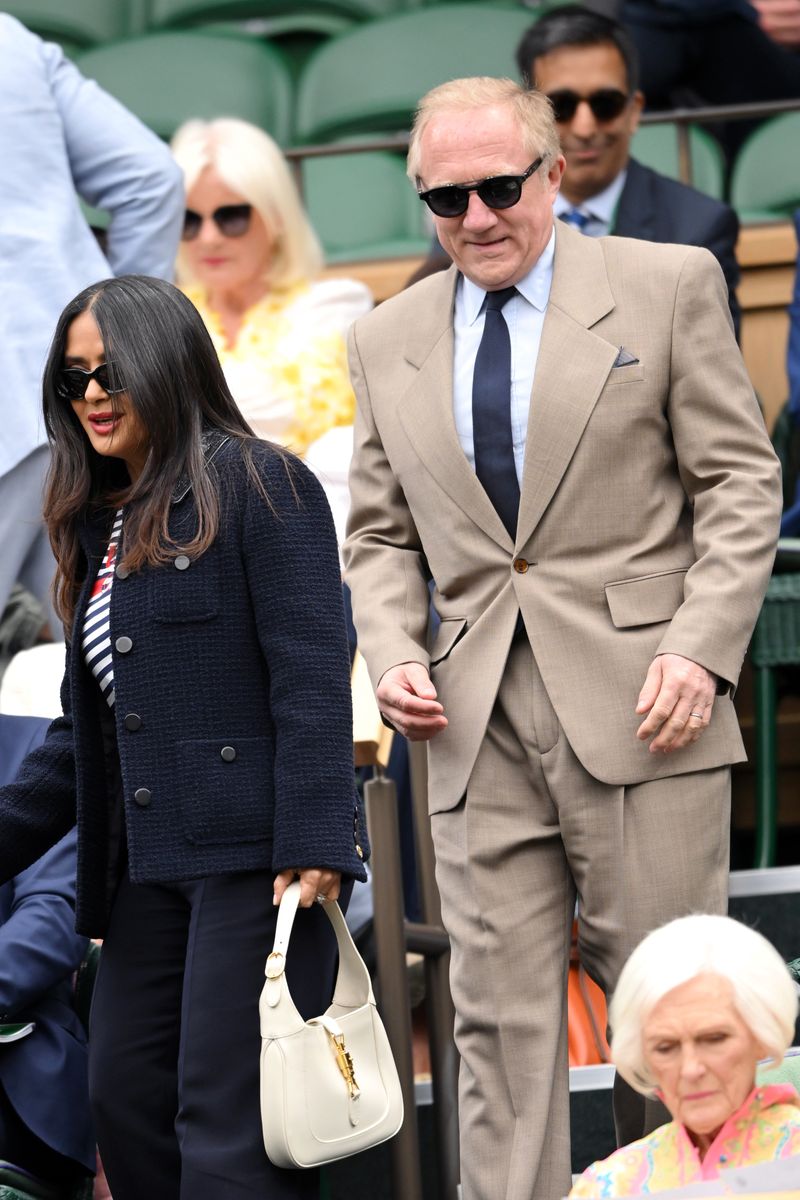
(533, 287)
(601, 207)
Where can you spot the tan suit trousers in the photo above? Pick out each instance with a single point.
(535, 830)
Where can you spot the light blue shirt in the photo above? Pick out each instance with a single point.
(60, 135)
(524, 315)
(600, 209)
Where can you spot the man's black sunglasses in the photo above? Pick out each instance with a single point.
(500, 191)
(72, 382)
(232, 220)
(605, 103)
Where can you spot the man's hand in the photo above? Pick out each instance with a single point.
(407, 698)
(780, 20)
(678, 696)
(315, 884)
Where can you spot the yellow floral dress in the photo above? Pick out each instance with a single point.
(765, 1128)
(288, 374)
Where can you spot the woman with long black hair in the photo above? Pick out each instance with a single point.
(205, 747)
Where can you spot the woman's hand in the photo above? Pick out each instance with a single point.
(316, 883)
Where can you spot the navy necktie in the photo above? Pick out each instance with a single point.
(575, 218)
(491, 412)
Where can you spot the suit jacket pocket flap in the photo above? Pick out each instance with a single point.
(647, 599)
(446, 637)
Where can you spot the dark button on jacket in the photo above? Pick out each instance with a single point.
(143, 797)
(227, 754)
(133, 722)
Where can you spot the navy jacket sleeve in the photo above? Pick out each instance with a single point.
(38, 807)
(38, 944)
(293, 574)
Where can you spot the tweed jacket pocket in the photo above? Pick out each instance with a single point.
(449, 632)
(646, 598)
(187, 589)
(225, 789)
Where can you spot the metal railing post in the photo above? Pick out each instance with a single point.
(380, 795)
(438, 999)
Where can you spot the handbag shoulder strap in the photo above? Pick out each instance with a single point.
(353, 983)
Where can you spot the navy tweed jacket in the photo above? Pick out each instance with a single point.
(233, 714)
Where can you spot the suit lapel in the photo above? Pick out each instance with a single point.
(636, 215)
(571, 369)
(426, 409)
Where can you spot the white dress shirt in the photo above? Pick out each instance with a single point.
(600, 209)
(524, 316)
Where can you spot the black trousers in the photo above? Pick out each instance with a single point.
(174, 1041)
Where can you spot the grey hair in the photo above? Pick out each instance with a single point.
(764, 993)
(531, 108)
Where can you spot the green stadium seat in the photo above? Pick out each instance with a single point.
(328, 16)
(370, 78)
(363, 206)
(74, 23)
(167, 78)
(656, 146)
(765, 182)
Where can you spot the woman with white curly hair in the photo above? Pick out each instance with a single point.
(698, 1004)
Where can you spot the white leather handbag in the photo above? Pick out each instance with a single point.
(329, 1086)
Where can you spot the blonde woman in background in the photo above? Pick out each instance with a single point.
(248, 261)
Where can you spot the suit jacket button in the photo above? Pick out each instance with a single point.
(122, 572)
(123, 644)
(142, 797)
(227, 754)
(521, 565)
(133, 722)
(182, 562)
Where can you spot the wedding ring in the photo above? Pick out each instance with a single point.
(320, 898)
(699, 715)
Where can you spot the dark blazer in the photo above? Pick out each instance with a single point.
(659, 209)
(45, 1074)
(232, 715)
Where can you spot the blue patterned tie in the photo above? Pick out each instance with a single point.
(491, 412)
(575, 218)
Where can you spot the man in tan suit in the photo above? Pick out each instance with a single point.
(560, 432)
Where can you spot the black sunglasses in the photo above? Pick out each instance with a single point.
(605, 103)
(72, 382)
(500, 191)
(232, 220)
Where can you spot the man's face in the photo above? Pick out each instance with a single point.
(596, 150)
(494, 248)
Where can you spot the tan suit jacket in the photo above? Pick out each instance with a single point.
(649, 508)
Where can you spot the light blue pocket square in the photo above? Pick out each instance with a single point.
(624, 358)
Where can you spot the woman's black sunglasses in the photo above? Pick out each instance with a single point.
(232, 220)
(500, 191)
(605, 103)
(72, 382)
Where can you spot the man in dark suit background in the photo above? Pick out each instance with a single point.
(587, 65)
(45, 1124)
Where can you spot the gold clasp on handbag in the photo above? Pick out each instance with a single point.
(345, 1063)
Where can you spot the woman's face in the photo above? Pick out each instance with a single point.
(222, 262)
(114, 431)
(701, 1053)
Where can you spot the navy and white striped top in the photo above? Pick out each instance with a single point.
(96, 642)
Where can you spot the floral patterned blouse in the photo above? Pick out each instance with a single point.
(287, 371)
(765, 1128)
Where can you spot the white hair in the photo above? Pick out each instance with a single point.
(531, 108)
(764, 993)
(252, 165)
